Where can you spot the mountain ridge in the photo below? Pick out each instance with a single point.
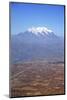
(28, 46)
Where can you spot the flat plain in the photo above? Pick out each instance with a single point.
(37, 78)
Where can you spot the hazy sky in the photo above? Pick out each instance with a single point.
(24, 16)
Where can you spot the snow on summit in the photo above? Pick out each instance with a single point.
(39, 30)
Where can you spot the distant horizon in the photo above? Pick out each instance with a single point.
(27, 15)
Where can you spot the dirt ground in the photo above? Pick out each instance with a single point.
(36, 79)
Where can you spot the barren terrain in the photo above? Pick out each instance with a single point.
(37, 78)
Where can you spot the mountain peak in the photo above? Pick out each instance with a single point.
(39, 30)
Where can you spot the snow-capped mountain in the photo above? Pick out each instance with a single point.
(40, 30)
(38, 34)
(36, 43)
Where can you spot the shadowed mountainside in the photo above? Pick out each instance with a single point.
(29, 47)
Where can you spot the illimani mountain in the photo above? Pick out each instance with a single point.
(36, 44)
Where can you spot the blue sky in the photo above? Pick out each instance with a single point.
(24, 16)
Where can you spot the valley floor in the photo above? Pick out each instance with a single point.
(36, 79)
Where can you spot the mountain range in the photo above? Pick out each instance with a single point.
(34, 44)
